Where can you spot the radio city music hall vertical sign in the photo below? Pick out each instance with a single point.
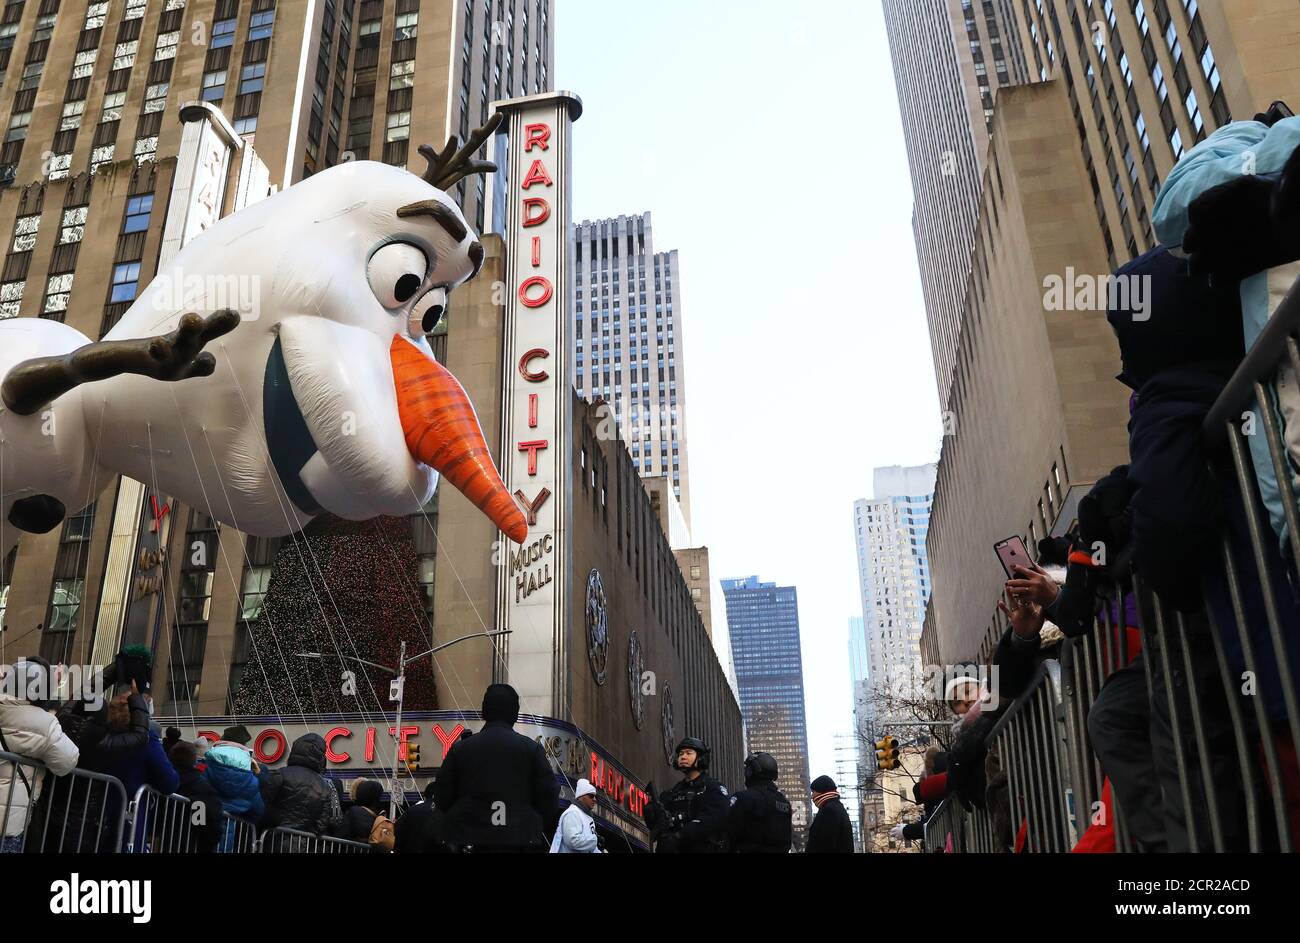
(537, 411)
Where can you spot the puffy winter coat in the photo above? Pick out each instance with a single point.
(229, 771)
(34, 733)
(299, 796)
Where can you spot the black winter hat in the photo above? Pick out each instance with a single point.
(370, 794)
(501, 703)
(237, 734)
(822, 784)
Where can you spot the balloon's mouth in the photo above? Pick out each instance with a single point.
(288, 439)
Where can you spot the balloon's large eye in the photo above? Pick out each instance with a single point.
(396, 273)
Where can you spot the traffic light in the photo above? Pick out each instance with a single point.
(412, 756)
(887, 753)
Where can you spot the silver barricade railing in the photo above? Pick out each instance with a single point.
(238, 836)
(1031, 743)
(78, 812)
(939, 827)
(281, 840)
(158, 823)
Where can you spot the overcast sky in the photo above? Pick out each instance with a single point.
(764, 138)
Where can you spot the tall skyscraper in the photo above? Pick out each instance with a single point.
(763, 620)
(627, 341)
(949, 61)
(1117, 91)
(894, 568)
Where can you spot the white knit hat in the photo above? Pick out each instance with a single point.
(584, 788)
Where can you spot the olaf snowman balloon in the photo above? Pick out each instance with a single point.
(322, 396)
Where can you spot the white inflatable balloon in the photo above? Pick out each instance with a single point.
(324, 397)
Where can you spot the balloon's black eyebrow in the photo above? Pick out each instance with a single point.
(442, 214)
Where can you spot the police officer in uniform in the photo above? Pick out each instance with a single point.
(691, 817)
(760, 816)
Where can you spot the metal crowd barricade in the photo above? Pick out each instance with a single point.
(79, 812)
(1031, 740)
(238, 836)
(158, 823)
(282, 840)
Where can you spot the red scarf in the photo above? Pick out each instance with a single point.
(820, 797)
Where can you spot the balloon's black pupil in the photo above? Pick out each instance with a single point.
(432, 317)
(406, 286)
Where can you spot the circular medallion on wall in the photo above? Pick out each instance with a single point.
(635, 668)
(669, 727)
(597, 626)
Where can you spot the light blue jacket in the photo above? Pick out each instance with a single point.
(1237, 148)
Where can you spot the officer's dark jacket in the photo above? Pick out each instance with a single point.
(759, 820)
(690, 818)
(498, 765)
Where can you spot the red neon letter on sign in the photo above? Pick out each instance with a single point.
(534, 281)
(330, 737)
(536, 135)
(539, 376)
(536, 211)
(536, 174)
(532, 448)
(447, 739)
(259, 745)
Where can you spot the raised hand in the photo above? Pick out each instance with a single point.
(34, 384)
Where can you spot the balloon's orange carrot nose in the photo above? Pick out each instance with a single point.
(443, 432)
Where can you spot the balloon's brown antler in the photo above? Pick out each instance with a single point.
(34, 384)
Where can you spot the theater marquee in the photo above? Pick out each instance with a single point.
(534, 582)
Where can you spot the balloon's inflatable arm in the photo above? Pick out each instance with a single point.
(34, 384)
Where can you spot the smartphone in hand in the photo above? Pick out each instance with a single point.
(1012, 553)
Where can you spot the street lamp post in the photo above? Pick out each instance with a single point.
(400, 672)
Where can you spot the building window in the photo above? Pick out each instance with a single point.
(403, 75)
(95, 14)
(368, 34)
(7, 34)
(18, 126)
(214, 86)
(399, 126)
(405, 26)
(126, 278)
(124, 54)
(84, 64)
(113, 103)
(261, 25)
(65, 603)
(100, 156)
(246, 125)
(72, 112)
(57, 290)
(138, 209)
(155, 97)
(31, 75)
(73, 227)
(11, 297)
(146, 148)
(6, 577)
(44, 28)
(223, 34)
(166, 46)
(57, 166)
(135, 9)
(25, 228)
(257, 580)
(252, 78)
